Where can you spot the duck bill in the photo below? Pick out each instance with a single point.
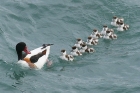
(26, 51)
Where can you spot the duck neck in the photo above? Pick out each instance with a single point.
(84, 48)
(122, 25)
(19, 55)
(105, 28)
(114, 20)
(63, 54)
(90, 40)
(80, 42)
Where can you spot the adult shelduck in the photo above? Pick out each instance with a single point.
(35, 58)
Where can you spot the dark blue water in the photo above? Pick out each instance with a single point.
(113, 68)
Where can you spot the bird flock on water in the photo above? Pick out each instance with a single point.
(81, 47)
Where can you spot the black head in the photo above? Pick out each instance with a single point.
(78, 39)
(107, 31)
(74, 47)
(94, 30)
(105, 26)
(21, 46)
(63, 50)
(121, 23)
(89, 37)
(114, 17)
(83, 45)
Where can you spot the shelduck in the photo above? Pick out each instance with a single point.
(32, 59)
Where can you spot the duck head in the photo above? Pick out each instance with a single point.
(63, 51)
(84, 46)
(79, 40)
(114, 19)
(95, 31)
(89, 39)
(21, 46)
(105, 27)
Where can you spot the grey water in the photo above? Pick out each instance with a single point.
(113, 68)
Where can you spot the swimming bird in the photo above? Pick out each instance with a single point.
(111, 30)
(91, 41)
(85, 48)
(113, 36)
(105, 28)
(95, 34)
(75, 51)
(107, 36)
(79, 42)
(122, 27)
(65, 56)
(35, 58)
(116, 21)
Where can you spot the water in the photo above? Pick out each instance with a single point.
(113, 68)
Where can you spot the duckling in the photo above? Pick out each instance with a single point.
(122, 27)
(75, 51)
(107, 36)
(66, 57)
(111, 30)
(90, 41)
(113, 36)
(116, 21)
(86, 49)
(79, 42)
(95, 34)
(105, 28)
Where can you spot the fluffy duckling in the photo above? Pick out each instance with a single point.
(105, 28)
(113, 36)
(110, 35)
(111, 30)
(95, 34)
(90, 41)
(75, 51)
(66, 57)
(116, 21)
(122, 27)
(86, 49)
(95, 40)
(107, 36)
(79, 42)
